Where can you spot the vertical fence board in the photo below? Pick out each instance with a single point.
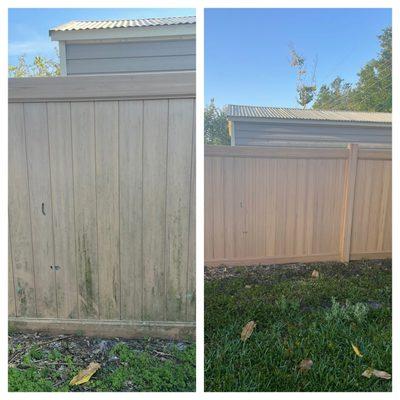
(37, 145)
(59, 120)
(155, 142)
(191, 275)
(131, 191)
(107, 197)
(84, 167)
(19, 214)
(11, 288)
(180, 120)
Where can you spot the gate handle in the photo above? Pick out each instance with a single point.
(43, 212)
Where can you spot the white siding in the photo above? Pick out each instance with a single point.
(134, 56)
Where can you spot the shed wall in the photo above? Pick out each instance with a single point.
(280, 133)
(133, 56)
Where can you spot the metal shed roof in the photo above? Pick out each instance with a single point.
(123, 23)
(238, 111)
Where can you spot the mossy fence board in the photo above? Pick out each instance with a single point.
(101, 209)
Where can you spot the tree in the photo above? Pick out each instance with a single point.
(373, 90)
(305, 87)
(40, 66)
(215, 125)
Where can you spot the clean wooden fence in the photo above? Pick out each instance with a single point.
(277, 205)
(101, 204)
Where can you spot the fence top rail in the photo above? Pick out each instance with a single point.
(275, 152)
(149, 85)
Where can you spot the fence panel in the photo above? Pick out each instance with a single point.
(267, 205)
(101, 204)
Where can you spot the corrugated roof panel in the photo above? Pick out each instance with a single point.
(313, 115)
(123, 23)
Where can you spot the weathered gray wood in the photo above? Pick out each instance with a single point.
(131, 191)
(148, 48)
(107, 197)
(19, 214)
(180, 126)
(131, 86)
(37, 146)
(155, 133)
(11, 289)
(191, 276)
(62, 187)
(84, 167)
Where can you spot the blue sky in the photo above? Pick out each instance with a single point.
(247, 50)
(28, 29)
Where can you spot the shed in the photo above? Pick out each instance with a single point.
(125, 46)
(269, 126)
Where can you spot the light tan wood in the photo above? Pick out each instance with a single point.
(107, 199)
(275, 152)
(19, 214)
(268, 205)
(179, 163)
(155, 142)
(62, 188)
(37, 147)
(94, 87)
(131, 221)
(107, 328)
(85, 207)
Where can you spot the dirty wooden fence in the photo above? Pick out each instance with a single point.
(101, 204)
(277, 205)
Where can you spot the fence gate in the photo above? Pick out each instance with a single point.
(101, 204)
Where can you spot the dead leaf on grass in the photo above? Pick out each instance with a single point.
(315, 274)
(84, 375)
(356, 350)
(247, 330)
(374, 372)
(305, 365)
(248, 287)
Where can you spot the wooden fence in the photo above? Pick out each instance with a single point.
(102, 204)
(278, 205)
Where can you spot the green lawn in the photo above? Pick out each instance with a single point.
(125, 366)
(298, 317)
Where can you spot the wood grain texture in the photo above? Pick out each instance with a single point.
(84, 167)
(37, 147)
(62, 187)
(19, 214)
(131, 219)
(180, 127)
(155, 143)
(107, 199)
(282, 205)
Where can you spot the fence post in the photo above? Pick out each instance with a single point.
(349, 190)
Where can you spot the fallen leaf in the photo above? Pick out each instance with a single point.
(315, 274)
(247, 330)
(248, 287)
(84, 375)
(356, 350)
(305, 365)
(374, 372)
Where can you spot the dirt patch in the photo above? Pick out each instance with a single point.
(277, 272)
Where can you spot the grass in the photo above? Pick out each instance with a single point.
(135, 370)
(299, 317)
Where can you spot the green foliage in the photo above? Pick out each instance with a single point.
(306, 87)
(40, 67)
(145, 372)
(296, 319)
(215, 125)
(29, 380)
(373, 90)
